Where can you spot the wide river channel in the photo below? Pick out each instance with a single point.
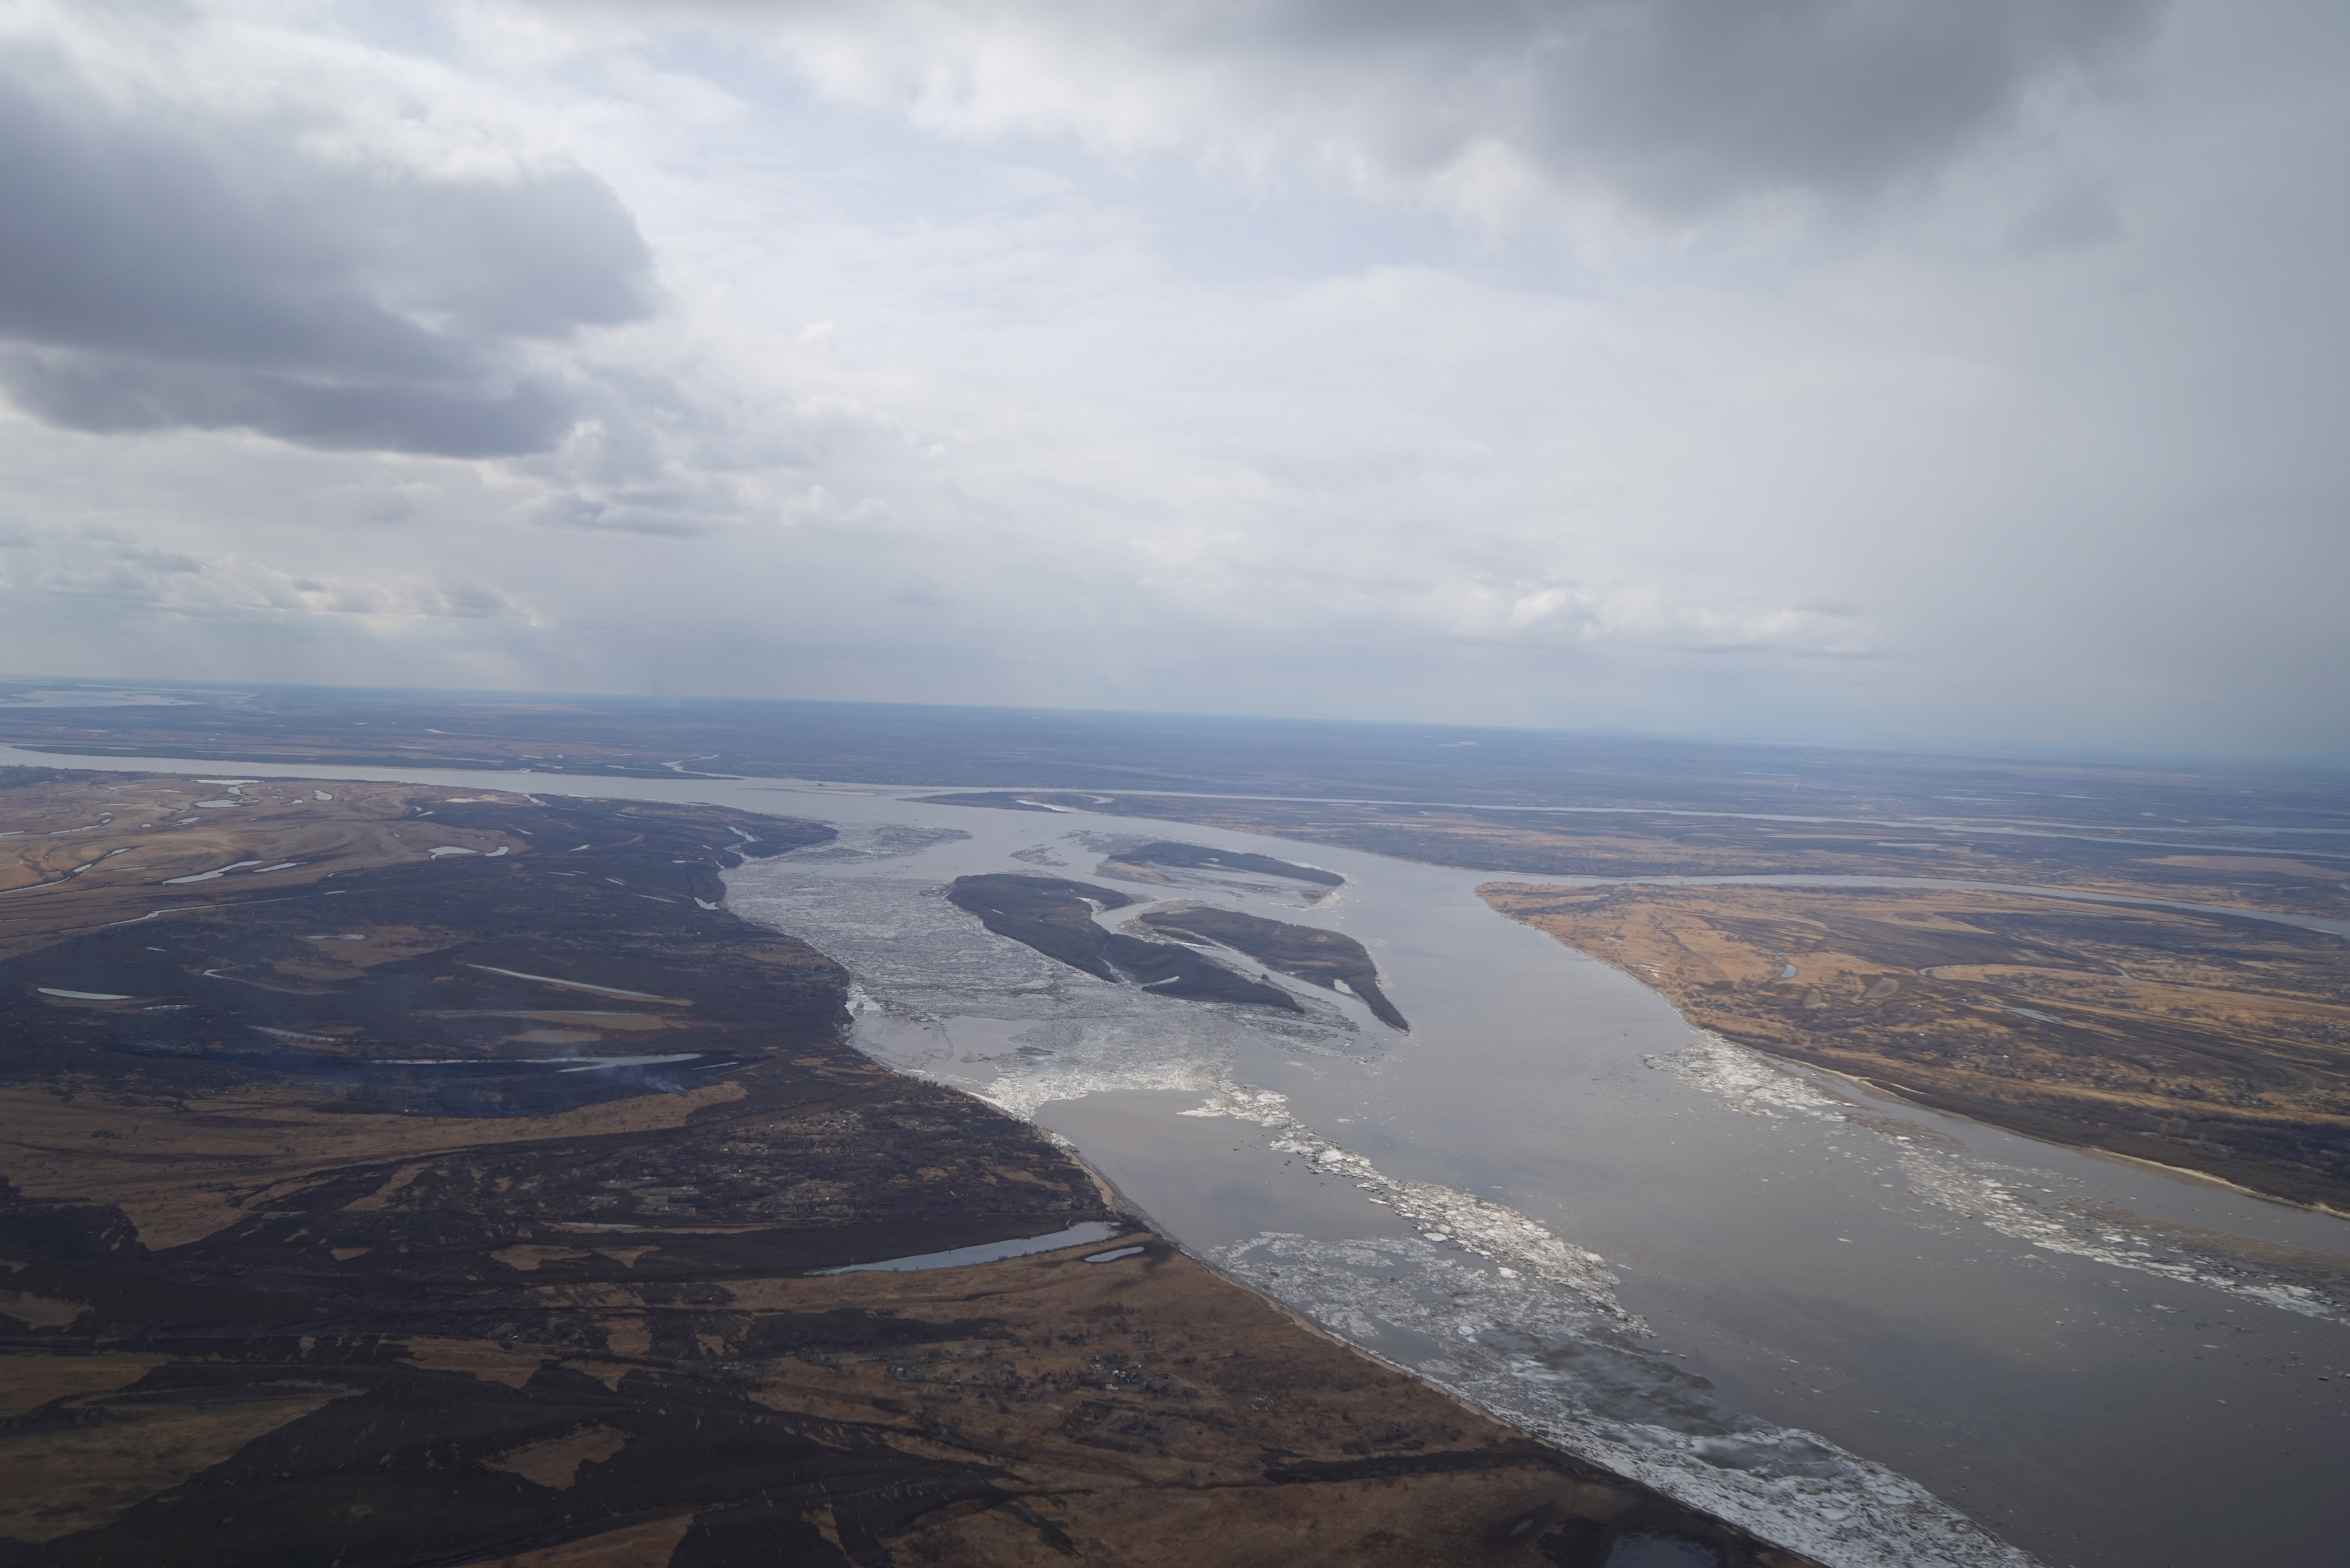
(1877, 1334)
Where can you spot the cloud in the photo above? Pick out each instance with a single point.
(105, 562)
(113, 394)
(169, 265)
(378, 498)
(2075, 218)
(1673, 107)
(1967, 367)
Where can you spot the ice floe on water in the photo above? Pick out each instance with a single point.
(1485, 1301)
(1526, 1324)
(1078, 1057)
(2006, 1199)
(884, 841)
(2014, 1201)
(1558, 1364)
(1749, 1080)
(1445, 1216)
(937, 995)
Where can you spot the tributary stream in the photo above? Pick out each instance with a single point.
(1852, 1325)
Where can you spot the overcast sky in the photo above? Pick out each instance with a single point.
(1855, 370)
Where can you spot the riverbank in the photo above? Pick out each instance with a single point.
(350, 1216)
(2217, 1045)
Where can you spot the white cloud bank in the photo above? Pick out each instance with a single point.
(1864, 370)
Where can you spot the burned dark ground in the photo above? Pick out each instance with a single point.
(1327, 958)
(395, 1176)
(1056, 916)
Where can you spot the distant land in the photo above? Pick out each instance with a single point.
(1016, 748)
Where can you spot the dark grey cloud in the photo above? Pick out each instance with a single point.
(2074, 218)
(347, 405)
(1141, 309)
(1683, 104)
(1677, 106)
(160, 269)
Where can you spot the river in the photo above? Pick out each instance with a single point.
(1858, 1327)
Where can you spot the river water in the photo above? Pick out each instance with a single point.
(1874, 1333)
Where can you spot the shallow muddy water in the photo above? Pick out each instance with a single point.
(1850, 1323)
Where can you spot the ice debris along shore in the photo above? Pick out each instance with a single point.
(1552, 1362)
(2010, 1200)
(1444, 1216)
(1540, 1340)
(1052, 1033)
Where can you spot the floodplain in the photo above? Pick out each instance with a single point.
(398, 1174)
